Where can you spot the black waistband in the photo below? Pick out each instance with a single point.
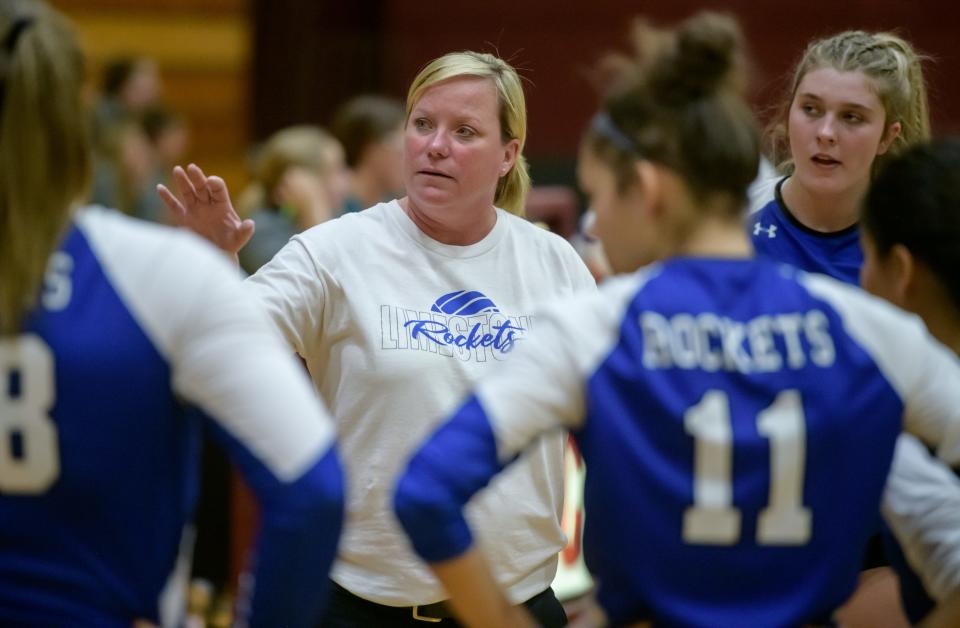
(436, 611)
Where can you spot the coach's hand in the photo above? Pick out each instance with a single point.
(202, 204)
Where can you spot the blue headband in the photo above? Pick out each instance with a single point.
(603, 126)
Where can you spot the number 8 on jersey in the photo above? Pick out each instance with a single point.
(29, 452)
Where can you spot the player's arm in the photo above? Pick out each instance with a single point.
(921, 505)
(475, 594)
(301, 513)
(932, 405)
(455, 463)
(228, 359)
(924, 373)
(540, 388)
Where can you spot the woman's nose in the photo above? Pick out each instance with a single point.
(438, 145)
(827, 130)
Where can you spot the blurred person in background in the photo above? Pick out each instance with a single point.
(129, 86)
(299, 181)
(136, 139)
(370, 128)
(169, 139)
(137, 154)
(124, 166)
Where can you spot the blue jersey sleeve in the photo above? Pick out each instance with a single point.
(299, 529)
(432, 492)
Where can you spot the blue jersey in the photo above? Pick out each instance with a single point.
(135, 326)
(777, 235)
(737, 418)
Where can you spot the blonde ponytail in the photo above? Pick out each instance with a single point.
(44, 148)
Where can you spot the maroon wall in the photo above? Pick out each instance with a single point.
(555, 43)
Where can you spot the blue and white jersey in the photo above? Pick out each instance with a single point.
(136, 327)
(737, 418)
(777, 235)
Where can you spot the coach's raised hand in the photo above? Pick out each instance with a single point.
(202, 204)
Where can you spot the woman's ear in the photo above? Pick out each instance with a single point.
(510, 151)
(650, 187)
(892, 132)
(903, 271)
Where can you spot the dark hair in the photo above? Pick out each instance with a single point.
(678, 102)
(363, 121)
(157, 119)
(116, 74)
(915, 201)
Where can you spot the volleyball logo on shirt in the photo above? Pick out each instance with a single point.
(464, 303)
(463, 323)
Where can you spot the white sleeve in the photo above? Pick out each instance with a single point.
(763, 188)
(542, 385)
(290, 287)
(924, 373)
(583, 280)
(569, 263)
(921, 504)
(223, 353)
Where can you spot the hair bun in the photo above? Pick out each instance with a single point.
(705, 58)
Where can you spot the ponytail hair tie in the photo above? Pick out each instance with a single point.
(8, 45)
(19, 25)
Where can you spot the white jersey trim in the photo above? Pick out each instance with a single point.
(921, 505)
(923, 372)
(547, 379)
(762, 190)
(222, 351)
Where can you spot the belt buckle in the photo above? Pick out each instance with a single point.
(417, 616)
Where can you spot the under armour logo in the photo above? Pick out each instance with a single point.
(771, 231)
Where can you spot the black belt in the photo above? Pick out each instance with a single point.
(431, 613)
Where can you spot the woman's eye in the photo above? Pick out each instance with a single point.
(466, 131)
(810, 110)
(421, 123)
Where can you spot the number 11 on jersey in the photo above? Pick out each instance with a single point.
(713, 519)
